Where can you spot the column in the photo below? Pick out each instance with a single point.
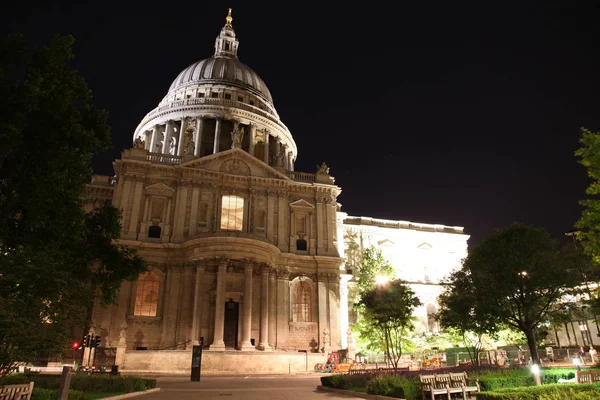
(333, 311)
(135, 210)
(218, 343)
(167, 139)
(271, 215)
(344, 325)
(194, 212)
(180, 211)
(282, 216)
(264, 309)
(252, 136)
(322, 305)
(266, 160)
(217, 136)
(285, 157)
(195, 335)
(283, 292)
(198, 139)
(272, 308)
(181, 137)
(290, 157)
(153, 139)
(330, 223)
(320, 227)
(247, 312)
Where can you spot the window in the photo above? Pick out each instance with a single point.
(214, 94)
(201, 94)
(251, 102)
(302, 305)
(228, 96)
(301, 244)
(232, 213)
(240, 99)
(188, 96)
(146, 295)
(154, 232)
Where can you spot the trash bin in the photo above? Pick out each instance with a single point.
(114, 370)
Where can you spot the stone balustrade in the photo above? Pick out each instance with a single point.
(301, 176)
(164, 158)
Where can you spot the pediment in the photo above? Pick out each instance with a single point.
(235, 162)
(386, 243)
(159, 189)
(301, 205)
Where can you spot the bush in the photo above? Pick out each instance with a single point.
(545, 392)
(85, 383)
(346, 382)
(394, 386)
(52, 394)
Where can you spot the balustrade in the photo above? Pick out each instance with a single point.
(301, 176)
(164, 158)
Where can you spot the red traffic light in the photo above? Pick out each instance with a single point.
(75, 345)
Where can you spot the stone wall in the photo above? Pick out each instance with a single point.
(179, 361)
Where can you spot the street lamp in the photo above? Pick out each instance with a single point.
(381, 280)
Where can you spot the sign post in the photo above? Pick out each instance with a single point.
(196, 362)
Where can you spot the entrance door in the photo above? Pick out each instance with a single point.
(230, 333)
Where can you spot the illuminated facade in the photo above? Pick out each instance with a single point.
(246, 254)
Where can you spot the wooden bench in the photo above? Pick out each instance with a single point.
(16, 392)
(447, 384)
(588, 376)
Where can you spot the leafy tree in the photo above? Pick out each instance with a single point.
(372, 265)
(589, 223)
(461, 310)
(54, 258)
(516, 277)
(388, 310)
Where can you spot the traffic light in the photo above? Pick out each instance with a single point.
(98, 341)
(86, 341)
(76, 345)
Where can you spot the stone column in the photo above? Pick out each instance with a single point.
(218, 343)
(180, 211)
(320, 227)
(135, 210)
(153, 139)
(194, 212)
(198, 139)
(247, 312)
(264, 309)
(217, 135)
(271, 215)
(285, 157)
(290, 157)
(266, 160)
(167, 139)
(181, 137)
(344, 326)
(322, 298)
(272, 309)
(251, 141)
(283, 296)
(195, 335)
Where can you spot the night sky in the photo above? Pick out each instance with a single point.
(454, 113)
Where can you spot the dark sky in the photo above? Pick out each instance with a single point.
(440, 112)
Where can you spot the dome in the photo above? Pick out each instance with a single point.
(227, 70)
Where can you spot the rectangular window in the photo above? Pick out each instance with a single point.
(228, 96)
(240, 99)
(232, 213)
(201, 94)
(214, 94)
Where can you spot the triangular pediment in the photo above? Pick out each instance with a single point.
(301, 204)
(159, 189)
(386, 243)
(235, 162)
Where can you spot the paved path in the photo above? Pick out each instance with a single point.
(242, 387)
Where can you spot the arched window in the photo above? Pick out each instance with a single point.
(154, 231)
(302, 302)
(146, 295)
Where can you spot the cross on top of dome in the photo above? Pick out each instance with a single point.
(226, 44)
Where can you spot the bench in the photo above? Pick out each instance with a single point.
(588, 376)
(447, 384)
(16, 392)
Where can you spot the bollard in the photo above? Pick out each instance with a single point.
(65, 384)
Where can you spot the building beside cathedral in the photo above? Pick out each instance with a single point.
(247, 256)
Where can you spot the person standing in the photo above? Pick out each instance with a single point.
(593, 353)
(582, 354)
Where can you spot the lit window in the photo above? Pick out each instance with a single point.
(232, 213)
(146, 296)
(302, 302)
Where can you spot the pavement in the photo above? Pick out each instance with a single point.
(248, 387)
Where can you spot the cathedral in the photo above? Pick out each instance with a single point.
(247, 257)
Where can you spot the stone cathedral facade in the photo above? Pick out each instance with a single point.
(247, 256)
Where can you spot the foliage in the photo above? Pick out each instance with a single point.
(49, 131)
(394, 386)
(545, 392)
(346, 382)
(388, 309)
(52, 394)
(514, 277)
(85, 382)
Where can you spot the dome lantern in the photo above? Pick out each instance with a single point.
(226, 44)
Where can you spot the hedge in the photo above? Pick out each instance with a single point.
(394, 386)
(545, 392)
(52, 394)
(85, 383)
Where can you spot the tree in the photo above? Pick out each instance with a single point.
(54, 258)
(516, 277)
(460, 310)
(589, 223)
(388, 309)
